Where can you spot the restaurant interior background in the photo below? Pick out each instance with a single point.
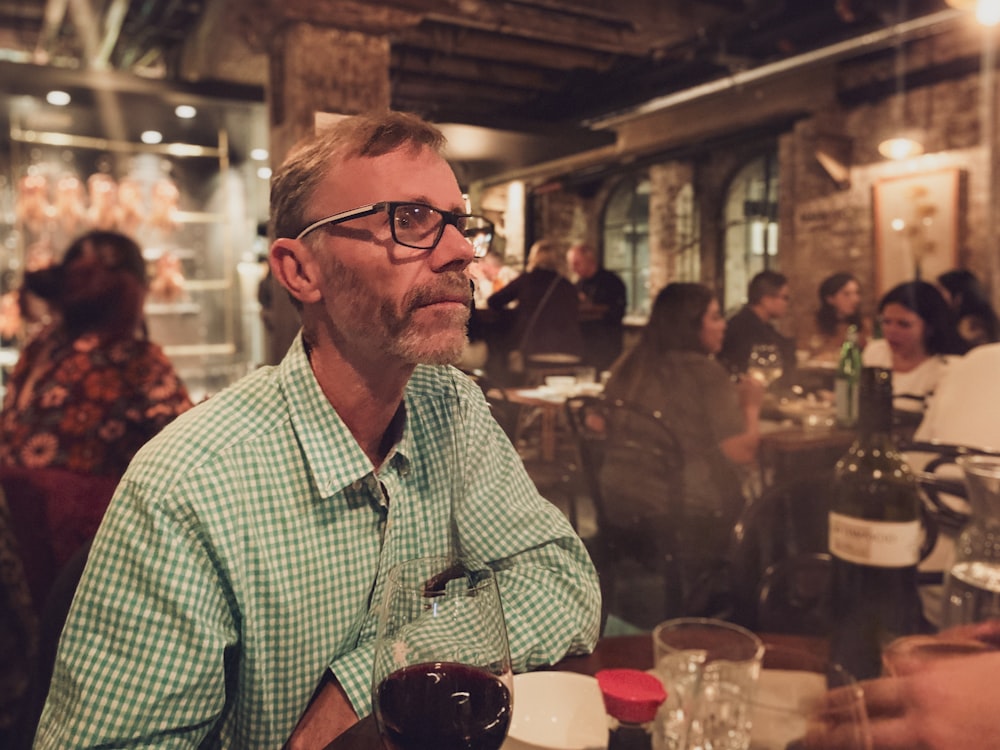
(700, 140)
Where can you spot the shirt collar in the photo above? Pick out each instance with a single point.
(333, 456)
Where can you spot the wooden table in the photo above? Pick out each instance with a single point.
(630, 651)
(792, 451)
(549, 409)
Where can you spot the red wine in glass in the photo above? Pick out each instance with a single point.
(443, 705)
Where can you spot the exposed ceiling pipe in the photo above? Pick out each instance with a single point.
(55, 13)
(913, 29)
(113, 21)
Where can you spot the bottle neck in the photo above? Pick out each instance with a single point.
(875, 405)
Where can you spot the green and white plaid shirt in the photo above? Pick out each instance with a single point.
(245, 550)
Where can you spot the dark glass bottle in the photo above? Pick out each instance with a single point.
(847, 380)
(874, 538)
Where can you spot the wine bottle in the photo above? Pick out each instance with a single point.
(845, 387)
(874, 537)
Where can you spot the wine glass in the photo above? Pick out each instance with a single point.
(765, 364)
(442, 675)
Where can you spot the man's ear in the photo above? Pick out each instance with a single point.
(295, 268)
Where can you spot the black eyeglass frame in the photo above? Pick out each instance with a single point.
(448, 218)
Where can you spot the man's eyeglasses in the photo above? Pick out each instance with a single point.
(418, 225)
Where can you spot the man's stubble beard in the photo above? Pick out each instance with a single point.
(375, 318)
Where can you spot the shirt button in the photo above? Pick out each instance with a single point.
(357, 484)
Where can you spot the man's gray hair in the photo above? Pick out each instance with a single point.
(310, 160)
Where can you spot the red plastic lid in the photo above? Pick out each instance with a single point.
(631, 695)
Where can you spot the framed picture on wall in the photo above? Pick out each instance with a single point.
(916, 227)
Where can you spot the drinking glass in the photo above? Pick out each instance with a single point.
(765, 364)
(709, 669)
(806, 700)
(442, 674)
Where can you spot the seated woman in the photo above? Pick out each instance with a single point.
(839, 308)
(716, 420)
(918, 339)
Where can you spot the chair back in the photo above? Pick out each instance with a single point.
(631, 460)
(941, 481)
(53, 512)
(53, 618)
(787, 522)
(780, 561)
(638, 444)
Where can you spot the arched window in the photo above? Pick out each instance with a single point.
(626, 239)
(687, 239)
(751, 224)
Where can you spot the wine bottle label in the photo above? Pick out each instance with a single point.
(882, 544)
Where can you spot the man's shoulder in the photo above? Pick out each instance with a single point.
(743, 320)
(246, 410)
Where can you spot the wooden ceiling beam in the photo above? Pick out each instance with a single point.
(468, 93)
(636, 26)
(475, 44)
(348, 15)
(434, 66)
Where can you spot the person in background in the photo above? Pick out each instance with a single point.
(672, 369)
(547, 312)
(918, 339)
(232, 595)
(602, 307)
(975, 317)
(767, 301)
(89, 389)
(490, 274)
(839, 309)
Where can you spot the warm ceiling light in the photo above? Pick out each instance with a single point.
(264, 173)
(987, 11)
(185, 111)
(259, 154)
(151, 137)
(900, 147)
(904, 144)
(58, 98)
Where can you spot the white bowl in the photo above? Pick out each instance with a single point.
(557, 710)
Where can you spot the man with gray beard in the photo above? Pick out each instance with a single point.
(230, 599)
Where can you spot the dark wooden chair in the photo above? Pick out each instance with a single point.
(779, 559)
(53, 617)
(941, 480)
(53, 512)
(607, 431)
(787, 525)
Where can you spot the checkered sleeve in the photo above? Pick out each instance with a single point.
(548, 584)
(150, 596)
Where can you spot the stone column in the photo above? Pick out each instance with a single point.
(316, 71)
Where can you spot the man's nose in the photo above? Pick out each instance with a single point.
(453, 248)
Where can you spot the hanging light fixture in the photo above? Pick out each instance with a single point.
(905, 142)
(987, 11)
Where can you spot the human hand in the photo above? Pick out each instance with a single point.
(986, 632)
(947, 706)
(751, 392)
(328, 716)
